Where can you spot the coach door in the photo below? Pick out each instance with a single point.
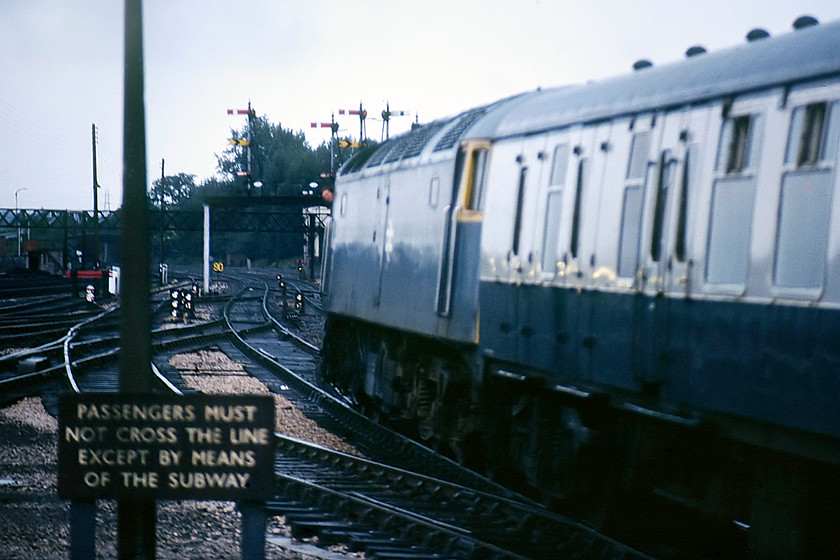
(665, 268)
(462, 228)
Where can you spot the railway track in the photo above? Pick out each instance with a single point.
(40, 319)
(402, 501)
(14, 286)
(82, 357)
(388, 512)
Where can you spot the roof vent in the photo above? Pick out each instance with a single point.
(695, 50)
(641, 64)
(805, 21)
(757, 34)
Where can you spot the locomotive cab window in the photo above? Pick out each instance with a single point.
(475, 186)
(470, 178)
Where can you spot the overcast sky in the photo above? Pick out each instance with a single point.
(299, 61)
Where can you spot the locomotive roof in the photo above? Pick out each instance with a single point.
(809, 53)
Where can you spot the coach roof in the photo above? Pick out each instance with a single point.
(806, 54)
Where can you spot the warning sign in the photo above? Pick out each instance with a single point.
(213, 447)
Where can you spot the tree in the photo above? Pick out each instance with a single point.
(172, 190)
(281, 159)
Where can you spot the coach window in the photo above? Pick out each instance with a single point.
(559, 166)
(832, 135)
(667, 170)
(734, 150)
(685, 188)
(554, 207)
(631, 213)
(732, 202)
(813, 134)
(583, 171)
(628, 250)
(639, 152)
(805, 204)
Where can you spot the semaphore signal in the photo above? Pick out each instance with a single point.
(333, 126)
(362, 113)
(251, 114)
(386, 119)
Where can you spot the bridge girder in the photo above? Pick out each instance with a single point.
(284, 216)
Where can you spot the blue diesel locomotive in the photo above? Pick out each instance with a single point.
(624, 288)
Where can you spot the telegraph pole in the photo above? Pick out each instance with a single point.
(17, 216)
(250, 139)
(160, 209)
(95, 201)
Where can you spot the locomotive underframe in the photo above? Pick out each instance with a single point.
(415, 383)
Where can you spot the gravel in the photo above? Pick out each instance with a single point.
(212, 372)
(36, 522)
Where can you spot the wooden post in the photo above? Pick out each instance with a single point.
(82, 530)
(253, 530)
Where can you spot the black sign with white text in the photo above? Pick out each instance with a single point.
(204, 447)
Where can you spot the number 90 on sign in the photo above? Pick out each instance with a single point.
(218, 267)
